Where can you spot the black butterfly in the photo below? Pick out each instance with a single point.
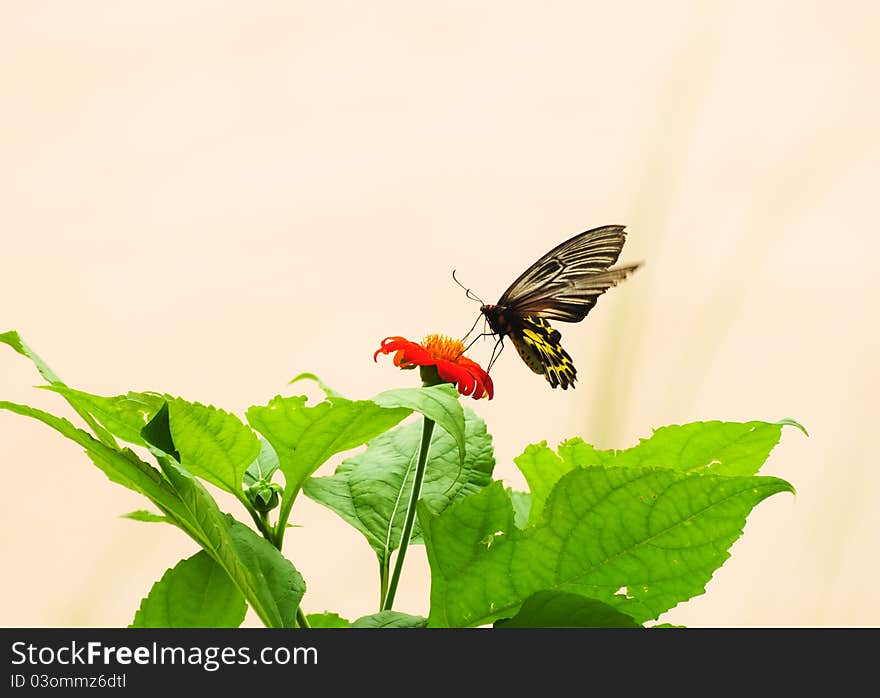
(563, 285)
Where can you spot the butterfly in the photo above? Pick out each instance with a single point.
(562, 285)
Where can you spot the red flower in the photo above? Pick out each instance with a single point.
(446, 356)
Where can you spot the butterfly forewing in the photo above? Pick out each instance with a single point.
(565, 267)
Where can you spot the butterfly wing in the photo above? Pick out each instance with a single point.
(564, 285)
(566, 282)
(539, 347)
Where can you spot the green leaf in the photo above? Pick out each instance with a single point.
(788, 421)
(264, 467)
(213, 444)
(306, 437)
(195, 593)
(270, 583)
(275, 582)
(390, 619)
(721, 448)
(542, 469)
(461, 535)
(371, 489)
(123, 416)
(327, 620)
(522, 504)
(639, 539)
(208, 442)
(438, 402)
(560, 609)
(14, 340)
(145, 516)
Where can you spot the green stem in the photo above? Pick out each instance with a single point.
(384, 569)
(427, 430)
(301, 620)
(262, 519)
(283, 516)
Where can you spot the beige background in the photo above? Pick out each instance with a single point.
(208, 198)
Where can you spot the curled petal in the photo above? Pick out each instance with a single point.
(483, 380)
(446, 355)
(455, 373)
(389, 344)
(406, 354)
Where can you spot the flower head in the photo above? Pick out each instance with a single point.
(441, 356)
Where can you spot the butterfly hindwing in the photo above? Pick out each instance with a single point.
(538, 345)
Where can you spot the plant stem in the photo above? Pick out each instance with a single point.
(427, 430)
(301, 620)
(384, 569)
(265, 526)
(283, 515)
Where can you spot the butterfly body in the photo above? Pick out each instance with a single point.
(563, 285)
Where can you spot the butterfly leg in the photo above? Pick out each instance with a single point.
(464, 339)
(474, 340)
(495, 356)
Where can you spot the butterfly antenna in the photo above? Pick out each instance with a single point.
(467, 292)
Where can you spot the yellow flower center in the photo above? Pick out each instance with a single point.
(442, 347)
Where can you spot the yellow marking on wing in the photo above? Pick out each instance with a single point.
(542, 352)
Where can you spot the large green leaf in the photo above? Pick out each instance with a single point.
(371, 489)
(720, 448)
(213, 444)
(561, 609)
(639, 539)
(195, 593)
(438, 402)
(306, 437)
